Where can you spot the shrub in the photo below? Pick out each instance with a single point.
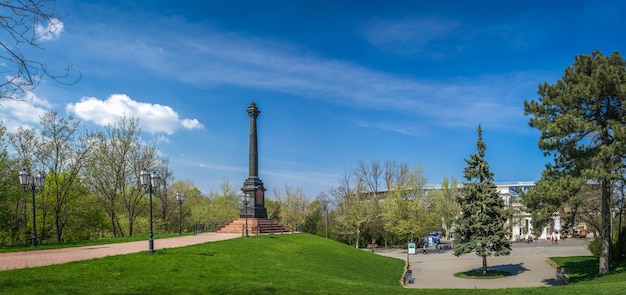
(594, 246)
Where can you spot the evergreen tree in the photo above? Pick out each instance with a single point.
(583, 126)
(480, 228)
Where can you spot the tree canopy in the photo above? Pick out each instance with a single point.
(582, 122)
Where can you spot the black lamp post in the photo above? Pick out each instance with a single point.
(180, 197)
(246, 201)
(149, 182)
(32, 184)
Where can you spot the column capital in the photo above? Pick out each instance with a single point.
(253, 111)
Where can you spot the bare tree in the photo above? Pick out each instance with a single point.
(26, 24)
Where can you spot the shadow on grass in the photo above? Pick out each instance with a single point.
(579, 268)
(514, 269)
(585, 269)
(494, 271)
(552, 282)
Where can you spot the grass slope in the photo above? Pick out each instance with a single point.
(275, 264)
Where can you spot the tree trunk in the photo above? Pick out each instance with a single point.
(484, 265)
(57, 222)
(113, 224)
(605, 249)
(619, 231)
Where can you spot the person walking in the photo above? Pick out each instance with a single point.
(556, 238)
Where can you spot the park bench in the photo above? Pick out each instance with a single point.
(372, 247)
(562, 276)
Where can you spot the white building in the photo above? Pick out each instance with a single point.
(521, 222)
(520, 225)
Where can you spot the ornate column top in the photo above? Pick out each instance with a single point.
(253, 111)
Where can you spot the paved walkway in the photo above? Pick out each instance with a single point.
(26, 259)
(527, 262)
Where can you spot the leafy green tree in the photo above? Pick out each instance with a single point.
(224, 206)
(63, 152)
(12, 197)
(447, 206)
(554, 193)
(24, 142)
(354, 208)
(582, 122)
(406, 211)
(167, 205)
(314, 221)
(86, 220)
(294, 206)
(324, 201)
(196, 205)
(372, 175)
(481, 226)
(274, 209)
(113, 173)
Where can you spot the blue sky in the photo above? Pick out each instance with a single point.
(337, 82)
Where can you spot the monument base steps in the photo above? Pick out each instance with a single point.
(255, 226)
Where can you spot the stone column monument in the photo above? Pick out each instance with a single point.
(254, 217)
(253, 186)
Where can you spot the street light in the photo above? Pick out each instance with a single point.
(149, 182)
(32, 184)
(180, 197)
(246, 200)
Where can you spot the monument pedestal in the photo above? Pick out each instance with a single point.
(255, 226)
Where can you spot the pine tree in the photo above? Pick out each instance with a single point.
(582, 119)
(481, 226)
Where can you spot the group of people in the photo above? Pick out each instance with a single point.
(554, 239)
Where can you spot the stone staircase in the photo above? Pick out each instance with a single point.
(255, 226)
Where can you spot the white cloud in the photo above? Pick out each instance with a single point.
(154, 118)
(163, 139)
(24, 112)
(51, 31)
(191, 124)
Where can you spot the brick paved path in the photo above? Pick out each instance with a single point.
(57, 256)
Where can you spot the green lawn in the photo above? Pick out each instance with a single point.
(275, 264)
